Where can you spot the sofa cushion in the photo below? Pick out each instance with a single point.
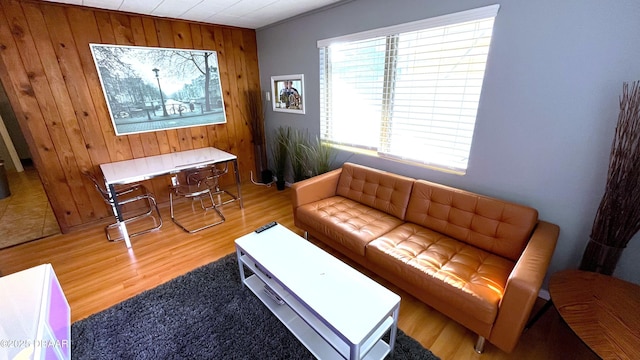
(378, 189)
(469, 279)
(345, 221)
(493, 225)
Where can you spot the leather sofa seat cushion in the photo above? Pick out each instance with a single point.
(347, 222)
(467, 278)
(494, 225)
(378, 189)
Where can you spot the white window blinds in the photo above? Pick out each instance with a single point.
(410, 91)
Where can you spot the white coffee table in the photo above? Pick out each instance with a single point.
(334, 310)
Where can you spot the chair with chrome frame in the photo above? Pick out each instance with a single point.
(128, 195)
(210, 177)
(188, 184)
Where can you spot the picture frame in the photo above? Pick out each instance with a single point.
(288, 93)
(153, 89)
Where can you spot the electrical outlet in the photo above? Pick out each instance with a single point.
(267, 95)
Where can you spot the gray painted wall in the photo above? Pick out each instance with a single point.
(547, 112)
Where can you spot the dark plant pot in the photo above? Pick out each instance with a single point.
(280, 184)
(600, 258)
(267, 176)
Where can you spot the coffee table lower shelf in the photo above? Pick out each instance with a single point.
(319, 341)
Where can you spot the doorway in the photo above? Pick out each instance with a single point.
(25, 214)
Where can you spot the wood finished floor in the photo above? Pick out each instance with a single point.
(96, 274)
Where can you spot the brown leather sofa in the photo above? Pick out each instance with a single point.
(479, 260)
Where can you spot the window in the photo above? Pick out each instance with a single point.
(408, 92)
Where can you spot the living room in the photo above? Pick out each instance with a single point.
(544, 127)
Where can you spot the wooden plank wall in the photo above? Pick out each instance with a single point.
(52, 82)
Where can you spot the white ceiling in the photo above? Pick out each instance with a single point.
(251, 14)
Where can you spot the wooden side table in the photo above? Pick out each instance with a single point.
(602, 310)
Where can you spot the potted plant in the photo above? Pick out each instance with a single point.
(298, 151)
(320, 157)
(279, 155)
(618, 217)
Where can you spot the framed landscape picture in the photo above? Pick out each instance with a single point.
(288, 93)
(151, 89)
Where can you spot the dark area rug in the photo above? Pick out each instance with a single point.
(204, 314)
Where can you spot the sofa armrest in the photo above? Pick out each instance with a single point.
(523, 285)
(316, 188)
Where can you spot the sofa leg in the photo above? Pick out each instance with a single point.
(306, 235)
(479, 348)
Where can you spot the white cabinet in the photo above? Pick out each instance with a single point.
(34, 316)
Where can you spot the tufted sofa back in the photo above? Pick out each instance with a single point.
(496, 226)
(378, 189)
